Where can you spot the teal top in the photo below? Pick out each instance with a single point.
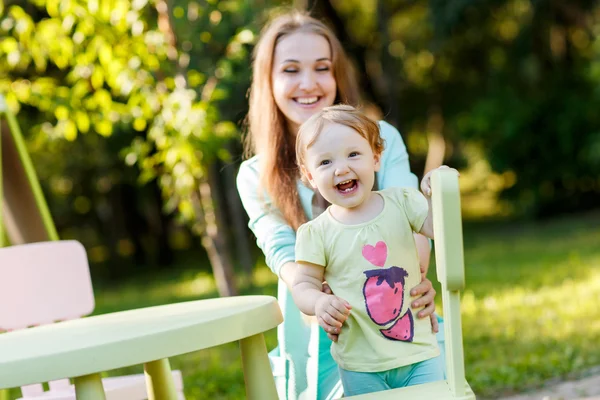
(302, 363)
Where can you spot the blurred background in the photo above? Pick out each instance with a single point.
(133, 112)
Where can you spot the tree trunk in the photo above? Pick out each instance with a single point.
(212, 241)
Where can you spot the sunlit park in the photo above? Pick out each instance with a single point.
(122, 127)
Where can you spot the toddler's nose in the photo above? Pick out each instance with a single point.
(341, 170)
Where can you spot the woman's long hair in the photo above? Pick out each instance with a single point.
(268, 133)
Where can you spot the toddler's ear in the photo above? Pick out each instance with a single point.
(307, 176)
(376, 162)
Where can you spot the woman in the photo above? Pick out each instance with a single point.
(300, 67)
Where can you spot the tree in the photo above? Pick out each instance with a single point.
(113, 69)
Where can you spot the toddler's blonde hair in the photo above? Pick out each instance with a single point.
(339, 114)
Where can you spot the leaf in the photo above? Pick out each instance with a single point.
(139, 124)
(97, 78)
(69, 130)
(104, 127)
(61, 113)
(83, 121)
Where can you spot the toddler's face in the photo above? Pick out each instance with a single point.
(341, 164)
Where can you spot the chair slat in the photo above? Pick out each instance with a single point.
(44, 282)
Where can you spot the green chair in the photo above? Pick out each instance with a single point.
(447, 225)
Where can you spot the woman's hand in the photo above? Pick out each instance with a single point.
(427, 298)
(426, 181)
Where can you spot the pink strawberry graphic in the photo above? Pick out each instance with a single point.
(384, 294)
(402, 330)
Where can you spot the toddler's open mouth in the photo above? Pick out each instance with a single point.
(348, 186)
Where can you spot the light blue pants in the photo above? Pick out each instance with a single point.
(414, 374)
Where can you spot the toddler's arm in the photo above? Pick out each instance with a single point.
(331, 311)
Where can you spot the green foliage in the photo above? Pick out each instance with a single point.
(528, 96)
(111, 68)
(517, 78)
(204, 99)
(79, 63)
(164, 94)
(75, 73)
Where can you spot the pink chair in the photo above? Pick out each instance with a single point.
(47, 282)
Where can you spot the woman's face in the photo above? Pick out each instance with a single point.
(302, 76)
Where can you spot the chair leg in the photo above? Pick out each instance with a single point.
(260, 383)
(89, 387)
(159, 381)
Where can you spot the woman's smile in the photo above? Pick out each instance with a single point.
(302, 76)
(307, 101)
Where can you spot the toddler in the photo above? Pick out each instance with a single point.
(363, 247)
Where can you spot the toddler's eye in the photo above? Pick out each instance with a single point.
(325, 162)
(353, 154)
(290, 70)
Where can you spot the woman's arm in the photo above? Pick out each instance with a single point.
(274, 237)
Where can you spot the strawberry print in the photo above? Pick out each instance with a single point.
(384, 293)
(402, 330)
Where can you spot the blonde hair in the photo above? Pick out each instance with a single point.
(268, 134)
(339, 114)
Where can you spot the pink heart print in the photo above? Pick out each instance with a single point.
(377, 254)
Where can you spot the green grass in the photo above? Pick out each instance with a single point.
(530, 311)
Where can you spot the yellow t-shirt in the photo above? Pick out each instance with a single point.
(373, 266)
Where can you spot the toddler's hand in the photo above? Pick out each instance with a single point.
(326, 288)
(426, 182)
(332, 312)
